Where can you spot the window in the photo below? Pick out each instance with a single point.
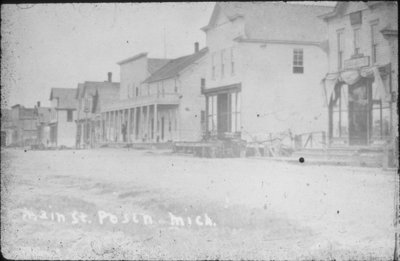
(356, 40)
(235, 112)
(232, 63)
(137, 91)
(298, 61)
(212, 113)
(202, 84)
(374, 41)
(176, 86)
(213, 66)
(355, 18)
(222, 64)
(340, 45)
(69, 115)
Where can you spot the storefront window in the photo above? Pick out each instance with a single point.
(212, 113)
(340, 115)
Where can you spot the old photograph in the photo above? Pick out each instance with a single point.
(200, 131)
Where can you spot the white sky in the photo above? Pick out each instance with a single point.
(60, 45)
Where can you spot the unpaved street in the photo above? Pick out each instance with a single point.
(132, 204)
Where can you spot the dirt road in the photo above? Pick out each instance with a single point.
(130, 204)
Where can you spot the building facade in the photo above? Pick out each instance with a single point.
(264, 69)
(62, 118)
(160, 100)
(22, 128)
(362, 84)
(91, 98)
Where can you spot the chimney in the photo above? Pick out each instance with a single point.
(38, 104)
(196, 47)
(109, 77)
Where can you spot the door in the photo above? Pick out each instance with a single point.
(162, 128)
(223, 113)
(359, 113)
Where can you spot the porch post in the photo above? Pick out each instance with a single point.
(128, 127)
(155, 122)
(141, 114)
(134, 124)
(147, 122)
(206, 116)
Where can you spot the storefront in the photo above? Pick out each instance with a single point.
(223, 110)
(359, 104)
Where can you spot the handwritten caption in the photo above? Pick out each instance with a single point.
(104, 217)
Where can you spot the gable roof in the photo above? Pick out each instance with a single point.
(130, 59)
(66, 97)
(275, 20)
(155, 64)
(173, 67)
(92, 87)
(341, 6)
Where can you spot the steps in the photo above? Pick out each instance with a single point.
(348, 156)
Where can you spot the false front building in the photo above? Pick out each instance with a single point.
(361, 86)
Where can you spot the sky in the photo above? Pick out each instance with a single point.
(61, 45)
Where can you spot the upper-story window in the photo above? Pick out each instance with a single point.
(232, 63)
(356, 33)
(176, 86)
(374, 40)
(222, 64)
(137, 91)
(340, 48)
(69, 115)
(356, 18)
(213, 66)
(298, 63)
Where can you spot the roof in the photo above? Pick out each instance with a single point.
(173, 67)
(66, 97)
(130, 59)
(155, 64)
(91, 87)
(276, 20)
(341, 6)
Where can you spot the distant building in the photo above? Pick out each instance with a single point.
(62, 119)
(42, 115)
(22, 128)
(6, 127)
(362, 81)
(264, 69)
(91, 98)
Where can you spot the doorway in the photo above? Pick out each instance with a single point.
(223, 113)
(360, 112)
(162, 128)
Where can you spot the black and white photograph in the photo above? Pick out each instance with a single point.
(200, 131)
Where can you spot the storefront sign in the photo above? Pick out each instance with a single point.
(356, 62)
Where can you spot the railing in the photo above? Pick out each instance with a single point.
(310, 140)
(159, 98)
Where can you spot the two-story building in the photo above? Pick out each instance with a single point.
(160, 100)
(264, 69)
(362, 82)
(62, 118)
(23, 126)
(182, 78)
(134, 102)
(91, 98)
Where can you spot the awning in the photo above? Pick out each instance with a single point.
(350, 77)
